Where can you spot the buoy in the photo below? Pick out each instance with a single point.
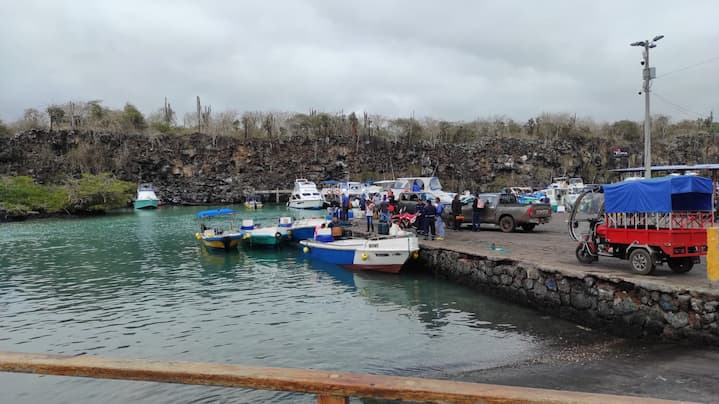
(365, 256)
(246, 236)
(198, 236)
(415, 255)
(306, 250)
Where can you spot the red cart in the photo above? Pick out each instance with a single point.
(648, 222)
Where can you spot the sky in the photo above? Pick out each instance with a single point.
(453, 60)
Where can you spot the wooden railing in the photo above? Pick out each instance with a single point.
(330, 387)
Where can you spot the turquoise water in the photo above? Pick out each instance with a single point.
(138, 285)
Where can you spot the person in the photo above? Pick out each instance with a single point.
(456, 211)
(318, 227)
(345, 206)
(416, 187)
(429, 212)
(419, 211)
(363, 202)
(477, 207)
(384, 210)
(369, 211)
(440, 223)
(334, 223)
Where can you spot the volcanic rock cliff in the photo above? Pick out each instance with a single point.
(200, 168)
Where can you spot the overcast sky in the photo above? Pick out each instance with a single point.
(456, 60)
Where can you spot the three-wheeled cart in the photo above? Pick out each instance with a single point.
(648, 222)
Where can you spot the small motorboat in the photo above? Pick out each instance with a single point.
(146, 197)
(387, 254)
(303, 229)
(253, 202)
(256, 235)
(216, 235)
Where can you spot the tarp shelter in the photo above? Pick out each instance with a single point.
(659, 195)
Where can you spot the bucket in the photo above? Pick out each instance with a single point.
(350, 214)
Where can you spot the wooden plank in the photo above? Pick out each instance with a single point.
(332, 400)
(324, 383)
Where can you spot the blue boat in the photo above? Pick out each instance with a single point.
(303, 229)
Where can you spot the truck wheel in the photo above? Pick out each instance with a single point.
(506, 223)
(680, 265)
(583, 255)
(641, 261)
(527, 227)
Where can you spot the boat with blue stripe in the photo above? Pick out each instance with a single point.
(218, 234)
(386, 254)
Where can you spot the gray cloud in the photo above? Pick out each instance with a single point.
(456, 60)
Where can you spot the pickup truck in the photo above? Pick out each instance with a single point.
(504, 211)
(407, 201)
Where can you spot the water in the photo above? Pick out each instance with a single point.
(137, 284)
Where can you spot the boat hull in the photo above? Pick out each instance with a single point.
(146, 204)
(253, 205)
(306, 204)
(384, 255)
(225, 242)
(304, 229)
(265, 236)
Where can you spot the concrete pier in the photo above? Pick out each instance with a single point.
(539, 269)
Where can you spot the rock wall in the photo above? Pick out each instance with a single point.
(201, 168)
(623, 308)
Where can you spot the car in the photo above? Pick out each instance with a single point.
(504, 211)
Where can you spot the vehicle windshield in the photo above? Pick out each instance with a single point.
(400, 184)
(434, 184)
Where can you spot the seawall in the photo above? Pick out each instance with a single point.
(624, 306)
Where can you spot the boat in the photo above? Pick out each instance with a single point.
(303, 229)
(386, 254)
(428, 185)
(256, 235)
(218, 236)
(253, 202)
(305, 195)
(146, 197)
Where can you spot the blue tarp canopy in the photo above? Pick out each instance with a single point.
(659, 195)
(215, 212)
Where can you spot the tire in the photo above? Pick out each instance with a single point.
(680, 265)
(583, 256)
(642, 262)
(506, 224)
(528, 227)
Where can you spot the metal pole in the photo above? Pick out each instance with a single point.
(647, 117)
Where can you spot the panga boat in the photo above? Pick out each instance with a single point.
(305, 195)
(253, 202)
(303, 229)
(357, 254)
(269, 236)
(146, 197)
(219, 236)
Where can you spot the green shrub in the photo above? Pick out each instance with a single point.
(20, 194)
(93, 193)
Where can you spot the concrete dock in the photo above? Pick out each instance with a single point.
(539, 269)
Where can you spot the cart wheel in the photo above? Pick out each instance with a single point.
(680, 265)
(583, 255)
(641, 261)
(527, 227)
(506, 224)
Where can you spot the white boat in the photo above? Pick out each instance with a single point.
(379, 254)
(146, 197)
(258, 235)
(305, 195)
(428, 185)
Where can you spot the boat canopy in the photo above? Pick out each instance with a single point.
(659, 195)
(215, 212)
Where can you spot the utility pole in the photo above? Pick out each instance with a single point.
(648, 73)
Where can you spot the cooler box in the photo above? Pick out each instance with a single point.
(383, 228)
(337, 231)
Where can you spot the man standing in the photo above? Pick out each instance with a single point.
(456, 211)
(345, 206)
(440, 223)
(477, 207)
(429, 213)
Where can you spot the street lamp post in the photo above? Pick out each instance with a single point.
(647, 74)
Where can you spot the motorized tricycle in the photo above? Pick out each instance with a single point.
(648, 222)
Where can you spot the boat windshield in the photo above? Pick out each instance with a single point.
(434, 184)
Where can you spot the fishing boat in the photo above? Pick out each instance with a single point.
(253, 202)
(303, 229)
(305, 195)
(256, 235)
(357, 254)
(218, 230)
(146, 197)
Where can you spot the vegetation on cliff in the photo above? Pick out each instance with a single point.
(20, 195)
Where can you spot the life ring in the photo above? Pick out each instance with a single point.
(278, 235)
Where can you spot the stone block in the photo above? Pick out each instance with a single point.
(677, 320)
(606, 292)
(582, 301)
(683, 302)
(697, 305)
(564, 286)
(711, 307)
(551, 284)
(667, 302)
(533, 273)
(589, 281)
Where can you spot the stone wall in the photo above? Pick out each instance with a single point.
(615, 305)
